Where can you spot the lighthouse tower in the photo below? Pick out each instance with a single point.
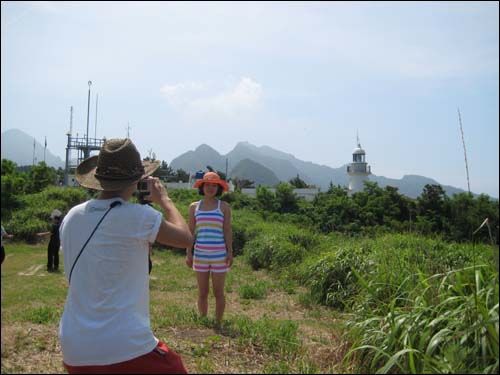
(358, 170)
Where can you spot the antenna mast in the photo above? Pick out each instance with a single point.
(95, 130)
(128, 130)
(71, 121)
(465, 153)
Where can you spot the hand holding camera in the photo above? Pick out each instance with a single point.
(151, 189)
(142, 191)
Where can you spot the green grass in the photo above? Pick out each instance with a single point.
(412, 304)
(33, 302)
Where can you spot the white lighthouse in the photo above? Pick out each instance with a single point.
(358, 170)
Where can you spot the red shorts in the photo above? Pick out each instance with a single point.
(161, 360)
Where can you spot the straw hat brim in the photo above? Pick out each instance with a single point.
(85, 175)
(222, 183)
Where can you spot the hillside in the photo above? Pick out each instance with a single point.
(250, 170)
(286, 166)
(18, 147)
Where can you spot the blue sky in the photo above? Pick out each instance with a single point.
(300, 77)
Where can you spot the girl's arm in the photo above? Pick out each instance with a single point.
(228, 234)
(191, 225)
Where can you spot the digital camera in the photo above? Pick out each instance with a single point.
(142, 191)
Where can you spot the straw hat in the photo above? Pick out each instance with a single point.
(212, 178)
(117, 166)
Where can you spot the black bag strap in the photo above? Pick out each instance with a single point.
(111, 206)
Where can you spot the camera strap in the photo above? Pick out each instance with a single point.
(111, 206)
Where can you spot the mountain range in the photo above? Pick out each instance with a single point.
(263, 165)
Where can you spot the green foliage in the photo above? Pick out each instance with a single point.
(330, 276)
(35, 209)
(258, 290)
(238, 200)
(40, 177)
(12, 187)
(41, 315)
(8, 167)
(184, 196)
(287, 199)
(298, 183)
(266, 199)
(277, 246)
(164, 172)
(448, 324)
(273, 336)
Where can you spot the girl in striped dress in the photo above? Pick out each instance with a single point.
(210, 223)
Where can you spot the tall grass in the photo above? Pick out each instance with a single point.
(443, 323)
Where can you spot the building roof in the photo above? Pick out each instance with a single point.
(358, 150)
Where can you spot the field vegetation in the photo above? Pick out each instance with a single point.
(371, 283)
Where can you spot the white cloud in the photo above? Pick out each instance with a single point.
(179, 95)
(199, 98)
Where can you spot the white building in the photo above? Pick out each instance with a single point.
(358, 170)
(307, 194)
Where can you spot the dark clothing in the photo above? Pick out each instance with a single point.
(3, 254)
(53, 248)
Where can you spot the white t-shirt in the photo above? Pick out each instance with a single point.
(106, 316)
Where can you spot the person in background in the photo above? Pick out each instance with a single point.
(5, 235)
(105, 327)
(54, 242)
(210, 223)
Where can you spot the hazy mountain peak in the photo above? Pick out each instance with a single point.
(17, 146)
(245, 145)
(204, 148)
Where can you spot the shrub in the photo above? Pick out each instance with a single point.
(330, 276)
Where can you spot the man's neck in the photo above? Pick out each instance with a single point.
(114, 194)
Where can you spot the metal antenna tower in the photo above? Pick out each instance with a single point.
(128, 129)
(84, 145)
(465, 153)
(95, 128)
(86, 152)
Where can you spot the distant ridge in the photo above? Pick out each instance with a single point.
(17, 146)
(251, 170)
(286, 166)
(263, 165)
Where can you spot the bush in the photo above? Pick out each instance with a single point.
(35, 209)
(330, 276)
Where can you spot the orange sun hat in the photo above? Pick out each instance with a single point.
(212, 178)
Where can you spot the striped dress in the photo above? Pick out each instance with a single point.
(209, 248)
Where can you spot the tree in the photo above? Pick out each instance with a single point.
(13, 185)
(41, 176)
(164, 172)
(286, 198)
(266, 199)
(8, 167)
(242, 183)
(298, 183)
(182, 175)
(432, 209)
